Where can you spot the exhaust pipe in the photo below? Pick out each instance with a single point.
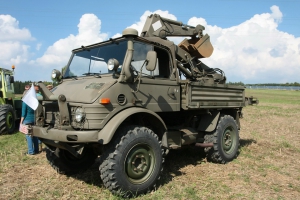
(204, 145)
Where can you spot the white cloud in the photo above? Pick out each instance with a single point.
(117, 35)
(10, 31)
(276, 13)
(14, 51)
(254, 51)
(89, 32)
(56, 55)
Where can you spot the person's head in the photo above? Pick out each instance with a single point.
(25, 91)
(27, 87)
(50, 87)
(36, 88)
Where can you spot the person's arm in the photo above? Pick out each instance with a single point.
(23, 112)
(22, 119)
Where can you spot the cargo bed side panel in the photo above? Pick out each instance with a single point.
(197, 96)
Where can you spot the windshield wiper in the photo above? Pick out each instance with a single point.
(90, 73)
(75, 77)
(97, 75)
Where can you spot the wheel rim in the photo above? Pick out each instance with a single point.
(9, 120)
(229, 140)
(140, 163)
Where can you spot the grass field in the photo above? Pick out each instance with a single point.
(268, 165)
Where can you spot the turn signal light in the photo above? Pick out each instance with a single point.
(104, 101)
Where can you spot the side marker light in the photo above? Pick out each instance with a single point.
(104, 101)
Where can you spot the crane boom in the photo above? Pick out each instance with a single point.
(198, 46)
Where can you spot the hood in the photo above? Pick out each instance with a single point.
(85, 90)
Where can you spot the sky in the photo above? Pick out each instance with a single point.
(255, 41)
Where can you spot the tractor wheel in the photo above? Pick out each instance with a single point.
(7, 119)
(225, 140)
(65, 163)
(132, 163)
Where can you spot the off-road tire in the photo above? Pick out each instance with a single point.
(132, 162)
(65, 163)
(7, 119)
(225, 141)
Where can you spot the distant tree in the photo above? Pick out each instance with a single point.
(236, 83)
(19, 86)
(63, 69)
(275, 84)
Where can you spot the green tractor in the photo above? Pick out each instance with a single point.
(10, 107)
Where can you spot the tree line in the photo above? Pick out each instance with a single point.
(264, 84)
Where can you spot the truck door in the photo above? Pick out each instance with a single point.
(154, 90)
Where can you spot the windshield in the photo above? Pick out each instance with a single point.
(92, 61)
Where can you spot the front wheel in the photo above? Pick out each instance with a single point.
(7, 119)
(225, 140)
(133, 161)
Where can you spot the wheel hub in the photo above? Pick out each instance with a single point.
(9, 120)
(228, 139)
(139, 164)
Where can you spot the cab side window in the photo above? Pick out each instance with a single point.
(139, 58)
(163, 63)
(7, 81)
(0, 80)
(162, 69)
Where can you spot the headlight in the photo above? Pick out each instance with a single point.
(79, 115)
(55, 75)
(112, 64)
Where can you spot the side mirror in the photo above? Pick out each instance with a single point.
(151, 60)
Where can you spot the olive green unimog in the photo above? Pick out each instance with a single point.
(132, 99)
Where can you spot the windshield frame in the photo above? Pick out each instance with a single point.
(66, 74)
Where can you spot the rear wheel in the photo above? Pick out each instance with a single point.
(66, 163)
(133, 162)
(225, 140)
(7, 119)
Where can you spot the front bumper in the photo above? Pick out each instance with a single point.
(69, 136)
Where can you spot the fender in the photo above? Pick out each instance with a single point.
(105, 135)
(209, 121)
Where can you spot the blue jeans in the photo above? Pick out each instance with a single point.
(33, 144)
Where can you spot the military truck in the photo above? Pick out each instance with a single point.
(10, 107)
(132, 99)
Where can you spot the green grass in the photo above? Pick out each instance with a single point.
(12, 145)
(267, 166)
(275, 96)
